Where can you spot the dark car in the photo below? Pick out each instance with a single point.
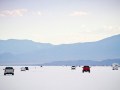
(86, 69)
(26, 68)
(9, 70)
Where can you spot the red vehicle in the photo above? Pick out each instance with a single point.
(86, 69)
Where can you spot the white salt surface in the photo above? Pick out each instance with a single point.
(60, 78)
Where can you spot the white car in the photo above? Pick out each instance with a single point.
(23, 69)
(9, 70)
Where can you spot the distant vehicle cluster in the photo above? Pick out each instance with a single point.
(10, 70)
(85, 68)
(24, 68)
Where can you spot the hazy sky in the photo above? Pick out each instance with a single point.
(59, 21)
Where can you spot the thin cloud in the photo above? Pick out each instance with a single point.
(15, 12)
(78, 13)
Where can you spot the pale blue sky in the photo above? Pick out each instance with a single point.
(59, 21)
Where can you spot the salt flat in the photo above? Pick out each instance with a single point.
(60, 78)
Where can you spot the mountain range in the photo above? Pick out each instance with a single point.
(27, 51)
(107, 62)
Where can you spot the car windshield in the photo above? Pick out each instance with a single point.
(9, 68)
(86, 66)
(73, 66)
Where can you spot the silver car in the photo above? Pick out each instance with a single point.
(73, 67)
(9, 70)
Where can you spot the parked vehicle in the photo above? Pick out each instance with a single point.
(9, 70)
(86, 69)
(23, 69)
(26, 68)
(115, 66)
(73, 67)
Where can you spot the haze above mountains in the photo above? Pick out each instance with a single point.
(27, 51)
